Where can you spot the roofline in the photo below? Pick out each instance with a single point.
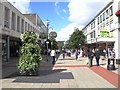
(99, 13)
(105, 8)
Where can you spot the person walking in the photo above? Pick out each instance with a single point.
(76, 54)
(97, 56)
(90, 55)
(63, 53)
(53, 54)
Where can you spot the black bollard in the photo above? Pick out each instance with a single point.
(111, 66)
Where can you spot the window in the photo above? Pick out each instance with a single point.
(13, 21)
(107, 14)
(111, 21)
(7, 17)
(111, 11)
(22, 26)
(104, 16)
(98, 20)
(31, 28)
(25, 26)
(92, 34)
(18, 24)
(28, 27)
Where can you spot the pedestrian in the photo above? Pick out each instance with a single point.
(97, 56)
(90, 55)
(76, 54)
(63, 53)
(53, 54)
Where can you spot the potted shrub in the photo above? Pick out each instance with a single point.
(30, 57)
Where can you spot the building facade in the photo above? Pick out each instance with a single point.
(103, 31)
(12, 24)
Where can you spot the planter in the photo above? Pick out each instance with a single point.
(31, 73)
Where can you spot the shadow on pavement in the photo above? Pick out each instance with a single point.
(46, 72)
(46, 76)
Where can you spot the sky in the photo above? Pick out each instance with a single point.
(63, 15)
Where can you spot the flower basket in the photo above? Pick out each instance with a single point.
(30, 57)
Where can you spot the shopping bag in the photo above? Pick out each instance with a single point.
(87, 61)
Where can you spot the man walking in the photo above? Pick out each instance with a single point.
(97, 56)
(53, 54)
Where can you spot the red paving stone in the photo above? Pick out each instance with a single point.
(71, 66)
(110, 76)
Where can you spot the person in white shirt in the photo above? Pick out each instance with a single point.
(53, 54)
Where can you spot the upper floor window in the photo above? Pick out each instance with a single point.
(28, 27)
(98, 20)
(103, 16)
(111, 11)
(7, 17)
(13, 21)
(22, 26)
(107, 13)
(25, 26)
(18, 24)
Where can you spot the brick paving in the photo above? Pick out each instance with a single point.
(66, 73)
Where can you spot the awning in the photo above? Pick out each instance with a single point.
(117, 13)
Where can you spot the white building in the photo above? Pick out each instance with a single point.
(12, 24)
(103, 31)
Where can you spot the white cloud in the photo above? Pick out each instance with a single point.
(21, 5)
(64, 10)
(65, 33)
(80, 13)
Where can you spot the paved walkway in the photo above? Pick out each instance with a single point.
(66, 73)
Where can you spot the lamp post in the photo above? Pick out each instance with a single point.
(47, 42)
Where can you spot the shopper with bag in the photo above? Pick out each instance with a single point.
(90, 57)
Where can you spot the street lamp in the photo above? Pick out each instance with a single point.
(47, 42)
(47, 24)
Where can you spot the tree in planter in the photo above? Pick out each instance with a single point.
(30, 58)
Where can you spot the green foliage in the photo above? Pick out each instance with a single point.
(30, 53)
(76, 39)
(53, 43)
(42, 35)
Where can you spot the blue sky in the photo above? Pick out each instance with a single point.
(63, 16)
(57, 14)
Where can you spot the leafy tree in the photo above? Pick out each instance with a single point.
(52, 36)
(76, 39)
(53, 43)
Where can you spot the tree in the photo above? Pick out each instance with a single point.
(76, 39)
(52, 36)
(53, 43)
